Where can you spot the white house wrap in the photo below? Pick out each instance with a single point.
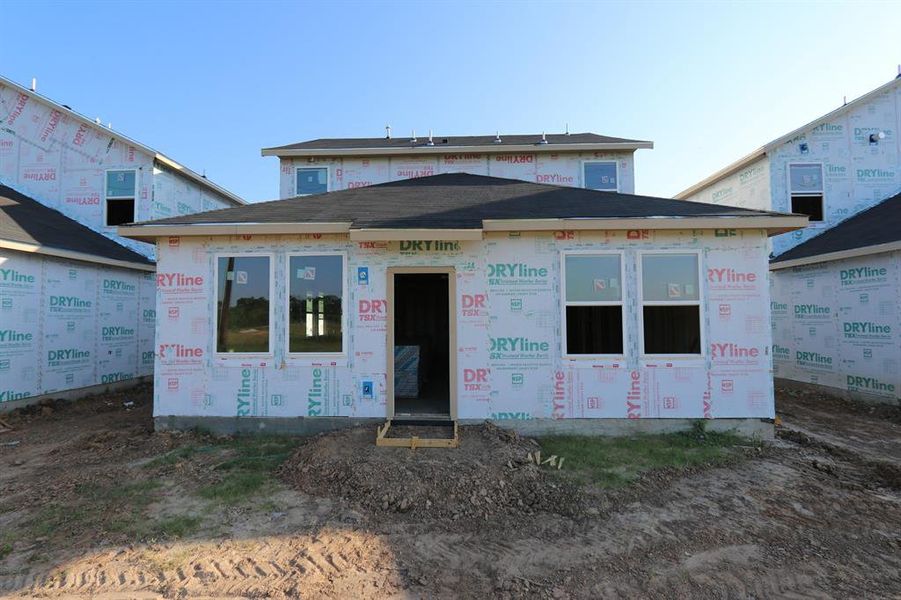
(508, 319)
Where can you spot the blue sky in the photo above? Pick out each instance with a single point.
(209, 84)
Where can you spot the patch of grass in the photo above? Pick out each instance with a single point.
(235, 487)
(118, 507)
(249, 468)
(177, 455)
(179, 526)
(5, 550)
(616, 462)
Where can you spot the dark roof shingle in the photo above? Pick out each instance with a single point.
(456, 201)
(25, 220)
(880, 224)
(464, 141)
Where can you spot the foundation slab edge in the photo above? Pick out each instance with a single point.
(753, 428)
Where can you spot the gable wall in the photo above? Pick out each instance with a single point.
(52, 156)
(857, 174)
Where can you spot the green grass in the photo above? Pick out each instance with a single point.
(616, 462)
(5, 550)
(177, 455)
(245, 468)
(179, 526)
(250, 468)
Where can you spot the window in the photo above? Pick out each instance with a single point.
(806, 184)
(312, 180)
(671, 304)
(120, 197)
(600, 176)
(315, 303)
(593, 304)
(242, 308)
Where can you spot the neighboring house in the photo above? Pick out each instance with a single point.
(76, 309)
(837, 320)
(833, 169)
(584, 160)
(91, 173)
(74, 312)
(467, 297)
(830, 169)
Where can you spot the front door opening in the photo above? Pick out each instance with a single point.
(421, 345)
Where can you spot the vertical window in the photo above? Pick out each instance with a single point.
(120, 197)
(242, 308)
(315, 303)
(600, 175)
(312, 180)
(806, 185)
(593, 304)
(671, 304)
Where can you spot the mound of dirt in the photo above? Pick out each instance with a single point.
(488, 476)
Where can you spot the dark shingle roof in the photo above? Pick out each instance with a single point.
(456, 201)
(25, 220)
(880, 224)
(553, 139)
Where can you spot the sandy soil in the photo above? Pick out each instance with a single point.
(815, 514)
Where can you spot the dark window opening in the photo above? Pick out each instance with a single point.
(594, 330)
(315, 303)
(672, 330)
(120, 211)
(812, 206)
(242, 307)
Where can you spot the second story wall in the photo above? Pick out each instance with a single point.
(52, 155)
(746, 188)
(563, 168)
(837, 166)
(857, 172)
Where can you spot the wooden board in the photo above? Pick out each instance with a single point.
(414, 442)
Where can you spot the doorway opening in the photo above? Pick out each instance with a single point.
(421, 354)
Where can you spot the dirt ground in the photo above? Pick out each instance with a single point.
(94, 504)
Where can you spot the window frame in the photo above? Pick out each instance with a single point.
(564, 303)
(107, 197)
(700, 303)
(344, 305)
(597, 161)
(243, 355)
(822, 193)
(328, 178)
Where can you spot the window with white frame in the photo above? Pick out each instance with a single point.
(315, 304)
(120, 197)
(243, 304)
(593, 304)
(312, 180)
(806, 188)
(600, 175)
(670, 304)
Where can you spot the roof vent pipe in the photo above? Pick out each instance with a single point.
(431, 143)
(497, 138)
(387, 132)
(567, 129)
(34, 84)
(543, 138)
(413, 136)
